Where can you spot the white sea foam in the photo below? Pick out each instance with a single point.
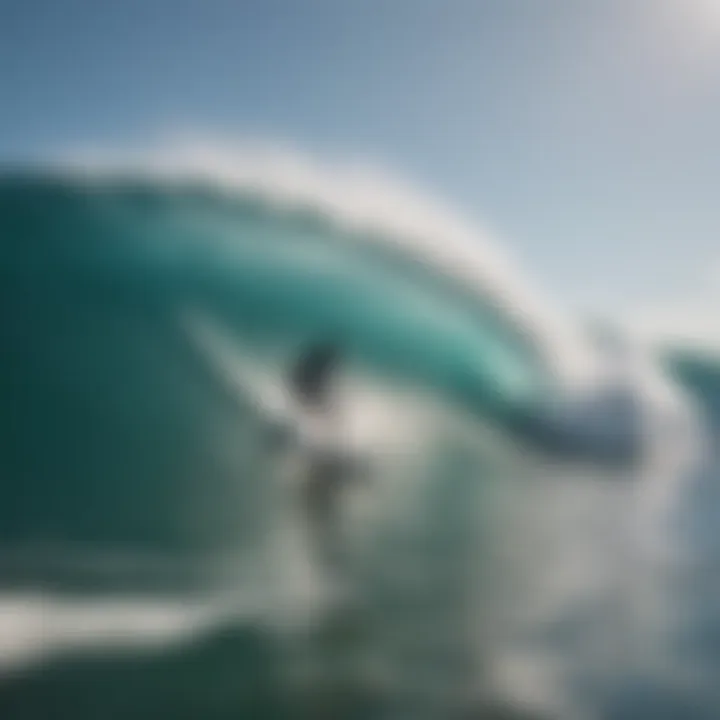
(36, 626)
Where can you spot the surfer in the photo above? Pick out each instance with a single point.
(327, 470)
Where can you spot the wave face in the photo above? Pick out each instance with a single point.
(138, 307)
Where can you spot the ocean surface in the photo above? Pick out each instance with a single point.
(538, 534)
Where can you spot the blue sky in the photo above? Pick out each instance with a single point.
(583, 132)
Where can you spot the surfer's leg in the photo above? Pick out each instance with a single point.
(322, 508)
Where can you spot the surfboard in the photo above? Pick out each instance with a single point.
(250, 385)
(259, 389)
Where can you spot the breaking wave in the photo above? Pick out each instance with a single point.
(151, 306)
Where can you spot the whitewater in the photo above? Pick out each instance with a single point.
(520, 543)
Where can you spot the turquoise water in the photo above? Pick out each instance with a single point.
(138, 487)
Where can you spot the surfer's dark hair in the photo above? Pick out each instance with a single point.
(311, 374)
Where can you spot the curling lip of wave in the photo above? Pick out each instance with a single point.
(423, 233)
(358, 196)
